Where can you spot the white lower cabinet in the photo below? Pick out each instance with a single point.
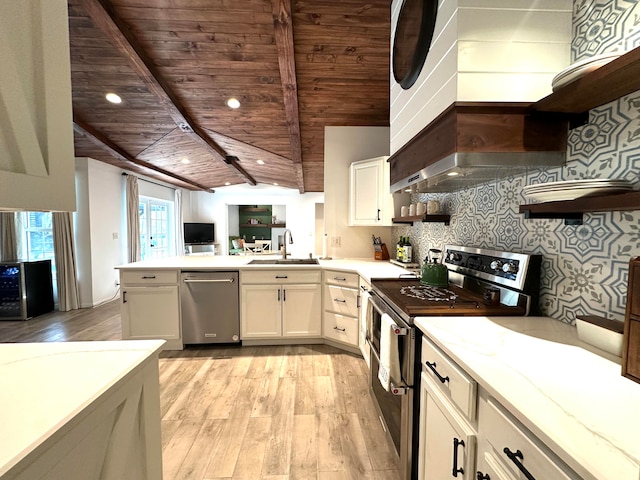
(341, 307)
(447, 441)
(511, 451)
(274, 305)
(363, 317)
(150, 307)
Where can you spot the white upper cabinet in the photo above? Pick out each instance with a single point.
(370, 200)
(36, 123)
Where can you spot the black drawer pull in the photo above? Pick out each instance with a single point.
(148, 277)
(124, 297)
(432, 367)
(282, 276)
(456, 470)
(515, 457)
(339, 279)
(480, 476)
(339, 300)
(340, 329)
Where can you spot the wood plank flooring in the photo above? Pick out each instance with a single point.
(270, 413)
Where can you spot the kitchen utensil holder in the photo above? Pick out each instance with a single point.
(381, 252)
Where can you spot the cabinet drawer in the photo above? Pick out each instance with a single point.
(148, 277)
(341, 328)
(452, 379)
(281, 276)
(344, 279)
(502, 432)
(341, 300)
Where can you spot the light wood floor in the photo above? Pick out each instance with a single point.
(277, 413)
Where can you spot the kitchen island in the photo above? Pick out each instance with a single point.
(567, 397)
(80, 410)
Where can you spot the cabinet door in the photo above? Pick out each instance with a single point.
(363, 313)
(446, 440)
(301, 310)
(260, 311)
(150, 312)
(365, 193)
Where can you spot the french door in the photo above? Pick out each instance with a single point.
(156, 228)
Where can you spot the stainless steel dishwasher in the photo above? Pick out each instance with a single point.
(210, 307)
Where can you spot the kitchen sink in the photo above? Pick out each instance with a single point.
(282, 261)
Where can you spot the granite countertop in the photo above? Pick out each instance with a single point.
(366, 268)
(46, 385)
(570, 395)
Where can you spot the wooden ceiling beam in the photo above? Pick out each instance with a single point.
(105, 18)
(283, 29)
(100, 140)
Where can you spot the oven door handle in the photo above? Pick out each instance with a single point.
(398, 389)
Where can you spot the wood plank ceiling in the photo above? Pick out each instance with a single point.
(295, 66)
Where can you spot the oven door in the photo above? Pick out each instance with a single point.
(396, 409)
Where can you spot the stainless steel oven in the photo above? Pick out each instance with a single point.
(481, 282)
(397, 405)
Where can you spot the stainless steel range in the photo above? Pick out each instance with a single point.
(481, 283)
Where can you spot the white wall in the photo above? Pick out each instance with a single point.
(300, 212)
(342, 146)
(100, 229)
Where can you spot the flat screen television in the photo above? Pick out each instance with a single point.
(198, 233)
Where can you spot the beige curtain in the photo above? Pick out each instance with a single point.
(66, 272)
(8, 240)
(177, 208)
(133, 219)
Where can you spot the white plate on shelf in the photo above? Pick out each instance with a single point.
(581, 68)
(572, 189)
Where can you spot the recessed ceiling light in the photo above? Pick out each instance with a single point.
(275, 184)
(233, 102)
(185, 160)
(227, 183)
(113, 98)
(260, 162)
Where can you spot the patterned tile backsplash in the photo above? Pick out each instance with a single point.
(585, 267)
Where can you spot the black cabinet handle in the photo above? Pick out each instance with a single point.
(278, 294)
(456, 470)
(124, 297)
(358, 304)
(284, 295)
(378, 214)
(340, 329)
(282, 276)
(148, 277)
(432, 367)
(480, 476)
(339, 300)
(516, 458)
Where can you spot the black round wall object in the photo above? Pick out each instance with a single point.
(412, 39)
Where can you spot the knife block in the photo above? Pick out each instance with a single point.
(381, 252)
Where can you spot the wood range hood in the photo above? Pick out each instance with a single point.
(476, 142)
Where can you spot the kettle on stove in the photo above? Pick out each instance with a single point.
(434, 272)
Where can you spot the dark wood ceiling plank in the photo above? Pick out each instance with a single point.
(82, 128)
(287, 63)
(106, 19)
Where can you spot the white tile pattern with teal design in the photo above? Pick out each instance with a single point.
(585, 267)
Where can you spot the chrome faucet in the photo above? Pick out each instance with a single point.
(284, 248)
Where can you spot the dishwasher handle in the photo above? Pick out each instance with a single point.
(210, 280)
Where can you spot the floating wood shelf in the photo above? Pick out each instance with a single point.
(264, 225)
(423, 218)
(572, 210)
(616, 79)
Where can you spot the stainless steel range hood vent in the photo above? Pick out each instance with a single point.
(472, 143)
(464, 169)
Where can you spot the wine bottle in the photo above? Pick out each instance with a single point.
(399, 249)
(407, 251)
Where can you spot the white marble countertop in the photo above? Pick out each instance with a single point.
(365, 267)
(573, 399)
(45, 385)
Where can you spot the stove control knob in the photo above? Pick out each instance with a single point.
(496, 265)
(454, 257)
(509, 268)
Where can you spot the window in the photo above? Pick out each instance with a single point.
(156, 228)
(35, 238)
